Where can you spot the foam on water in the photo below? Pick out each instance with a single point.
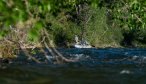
(94, 66)
(95, 56)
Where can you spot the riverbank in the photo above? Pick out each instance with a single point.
(96, 25)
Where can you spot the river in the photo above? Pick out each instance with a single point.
(94, 66)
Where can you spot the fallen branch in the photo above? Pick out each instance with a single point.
(55, 51)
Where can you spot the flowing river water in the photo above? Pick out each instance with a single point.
(94, 66)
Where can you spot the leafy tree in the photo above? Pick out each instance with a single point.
(130, 15)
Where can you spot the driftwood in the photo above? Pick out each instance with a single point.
(45, 42)
(54, 52)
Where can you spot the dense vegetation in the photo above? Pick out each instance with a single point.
(43, 23)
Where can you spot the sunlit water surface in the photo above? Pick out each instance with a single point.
(94, 66)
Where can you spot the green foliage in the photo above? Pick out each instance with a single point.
(35, 33)
(130, 15)
(99, 33)
(22, 10)
(61, 20)
(3, 34)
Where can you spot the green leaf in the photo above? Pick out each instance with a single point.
(38, 26)
(49, 7)
(33, 35)
(33, 52)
